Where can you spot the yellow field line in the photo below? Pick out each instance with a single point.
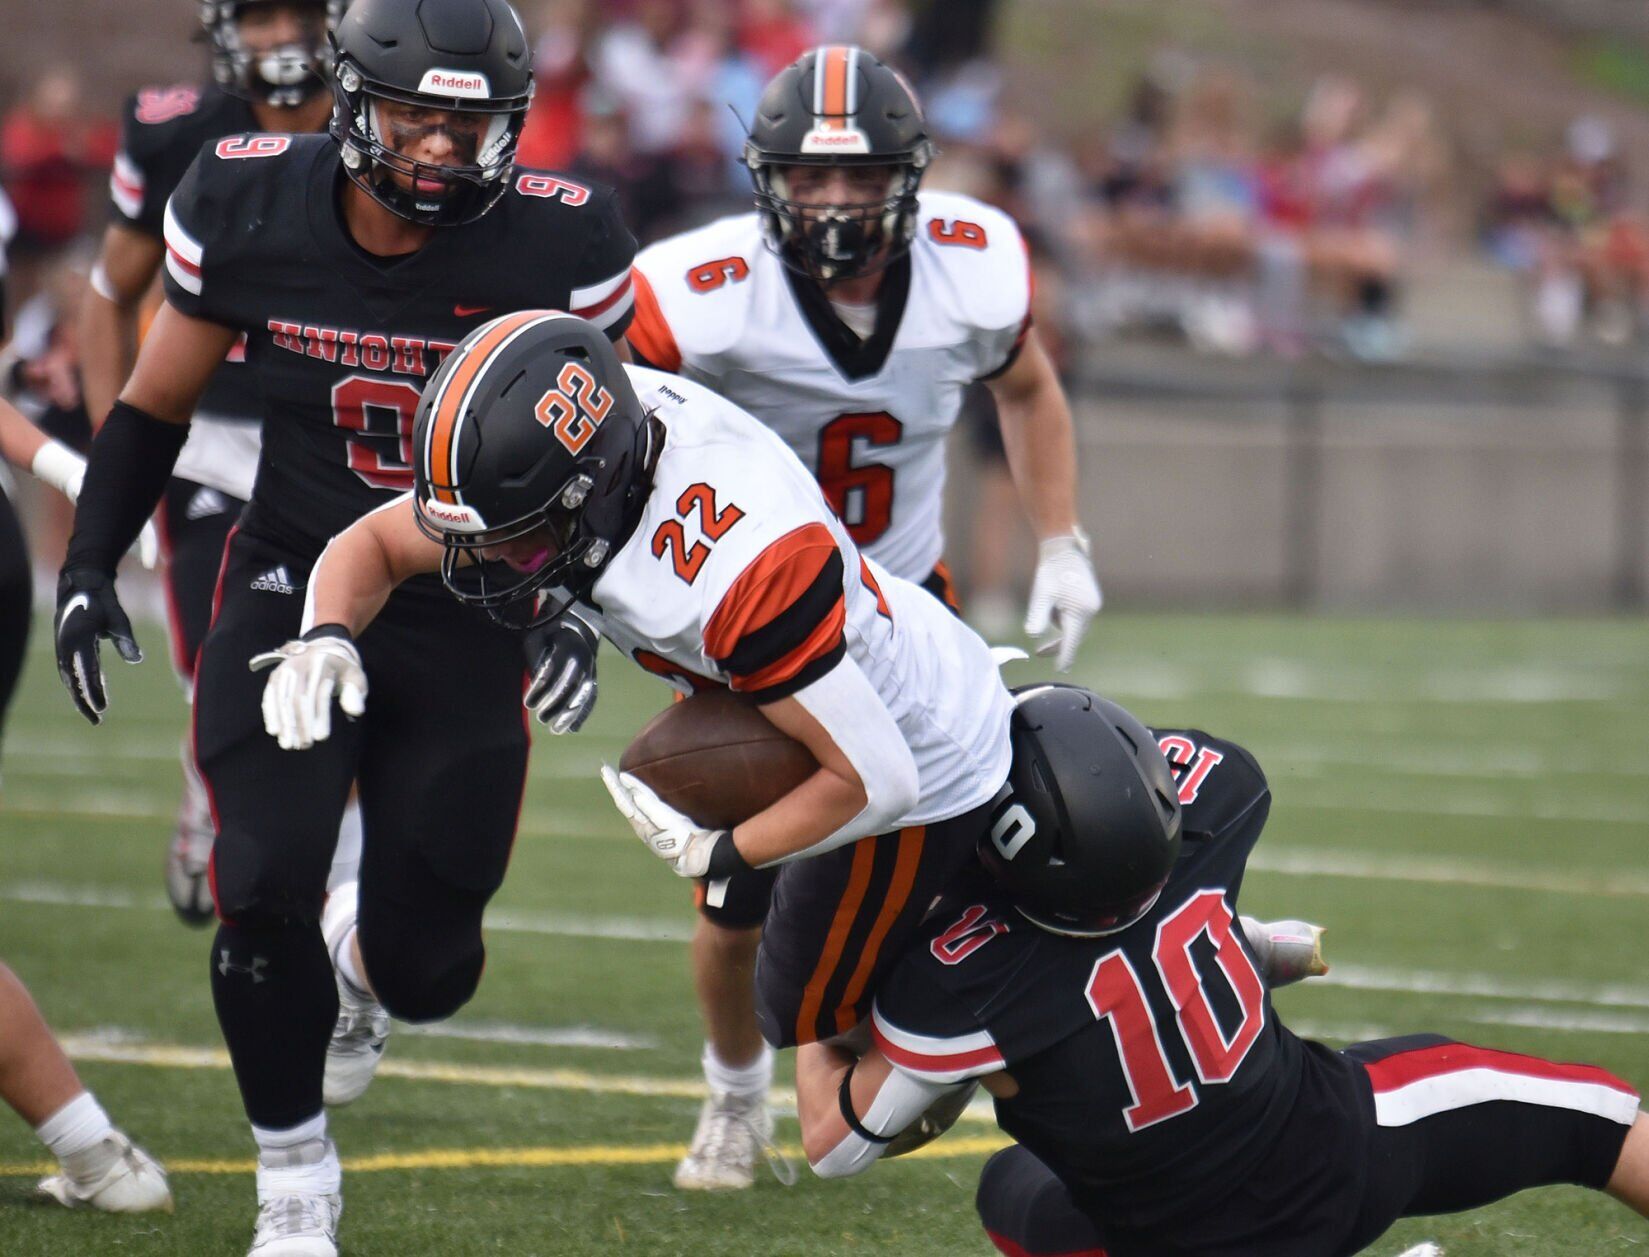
(176, 1056)
(514, 1158)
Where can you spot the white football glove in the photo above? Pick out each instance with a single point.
(297, 699)
(1064, 590)
(669, 835)
(59, 466)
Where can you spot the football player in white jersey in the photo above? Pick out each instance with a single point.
(706, 552)
(849, 313)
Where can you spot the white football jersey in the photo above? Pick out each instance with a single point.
(868, 417)
(740, 574)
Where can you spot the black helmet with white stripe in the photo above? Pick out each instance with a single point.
(530, 437)
(1087, 828)
(838, 106)
(464, 59)
(285, 76)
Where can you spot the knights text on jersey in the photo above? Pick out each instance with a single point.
(740, 575)
(1150, 1064)
(869, 418)
(341, 342)
(161, 130)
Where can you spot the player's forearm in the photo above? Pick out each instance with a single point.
(821, 806)
(1040, 441)
(131, 459)
(108, 347)
(350, 582)
(20, 440)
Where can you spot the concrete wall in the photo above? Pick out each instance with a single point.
(1499, 506)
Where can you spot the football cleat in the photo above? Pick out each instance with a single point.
(191, 850)
(302, 1224)
(1288, 951)
(113, 1175)
(734, 1133)
(359, 1036)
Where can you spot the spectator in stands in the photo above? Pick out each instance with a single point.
(48, 151)
(553, 135)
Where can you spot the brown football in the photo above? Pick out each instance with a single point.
(717, 759)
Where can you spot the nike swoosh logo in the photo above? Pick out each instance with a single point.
(464, 312)
(80, 602)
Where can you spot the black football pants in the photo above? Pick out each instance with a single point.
(16, 598)
(440, 758)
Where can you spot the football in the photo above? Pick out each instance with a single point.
(717, 759)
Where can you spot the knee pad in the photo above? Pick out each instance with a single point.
(255, 883)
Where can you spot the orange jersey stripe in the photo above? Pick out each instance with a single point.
(819, 642)
(905, 864)
(648, 331)
(445, 423)
(779, 575)
(841, 924)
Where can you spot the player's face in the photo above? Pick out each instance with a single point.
(525, 554)
(265, 27)
(432, 137)
(826, 187)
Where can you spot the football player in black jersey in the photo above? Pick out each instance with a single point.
(1098, 990)
(352, 263)
(269, 69)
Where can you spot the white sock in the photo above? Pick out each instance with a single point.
(742, 1080)
(297, 1160)
(343, 959)
(76, 1126)
(346, 856)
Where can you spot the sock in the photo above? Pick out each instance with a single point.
(276, 1002)
(346, 858)
(744, 1080)
(343, 959)
(297, 1160)
(78, 1125)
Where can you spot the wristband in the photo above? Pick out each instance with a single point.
(328, 630)
(725, 859)
(844, 1096)
(59, 466)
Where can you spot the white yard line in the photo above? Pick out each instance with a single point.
(1305, 862)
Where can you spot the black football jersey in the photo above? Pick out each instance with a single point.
(1150, 1064)
(161, 130)
(341, 342)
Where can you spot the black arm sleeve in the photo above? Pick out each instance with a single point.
(130, 462)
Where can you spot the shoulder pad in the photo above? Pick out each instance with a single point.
(979, 252)
(697, 290)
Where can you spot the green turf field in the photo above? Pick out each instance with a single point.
(1465, 805)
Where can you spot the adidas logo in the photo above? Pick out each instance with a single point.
(275, 581)
(206, 502)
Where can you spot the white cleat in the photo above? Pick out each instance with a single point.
(298, 1225)
(363, 1026)
(191, 850)
(115, 1176)
(734, 1133)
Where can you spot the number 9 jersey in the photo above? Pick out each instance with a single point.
(868, 416)
(341, 342)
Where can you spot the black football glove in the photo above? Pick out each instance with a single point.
(561, 655)
(87, 612)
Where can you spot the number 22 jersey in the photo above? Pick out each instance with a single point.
(341, 342)
(867, 417)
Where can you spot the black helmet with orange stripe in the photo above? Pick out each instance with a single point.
(838, 106)
(533, 459)
(285, 76)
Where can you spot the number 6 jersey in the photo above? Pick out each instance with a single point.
(868, 417)
(740, 575)
(341, 342)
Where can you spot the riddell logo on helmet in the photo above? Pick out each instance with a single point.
(455, 83)
(835, 140)
(462, 518)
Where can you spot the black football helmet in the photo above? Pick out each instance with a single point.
(531, 425)
(284, 77)
(1086, 831)
(463, 56)
(838, 105)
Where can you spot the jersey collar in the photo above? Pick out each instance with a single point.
(855, 359)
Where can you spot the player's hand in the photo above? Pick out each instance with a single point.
(297, 699)
(87, 612)
(1065, 595)
(669, 835)
(561, 655)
